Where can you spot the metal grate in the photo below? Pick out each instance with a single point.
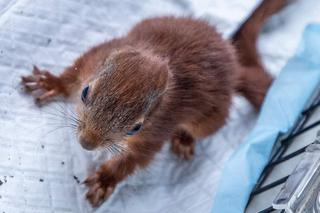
(286, 154)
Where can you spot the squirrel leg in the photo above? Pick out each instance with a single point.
(183, 144)
(44, 86)
(137, 155)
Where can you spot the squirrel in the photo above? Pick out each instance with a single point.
(169, 79)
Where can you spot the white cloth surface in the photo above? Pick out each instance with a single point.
(39, 159)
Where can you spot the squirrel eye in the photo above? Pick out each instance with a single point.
(135, 129)
(84, 94)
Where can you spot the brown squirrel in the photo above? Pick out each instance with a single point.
(169, 78)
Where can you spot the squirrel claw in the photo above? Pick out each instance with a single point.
(183, 145)
(49, 85)
(183, 150)
(98, 190)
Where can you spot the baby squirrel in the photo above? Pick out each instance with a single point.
(169, 78)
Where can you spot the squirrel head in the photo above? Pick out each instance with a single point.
(117, 103)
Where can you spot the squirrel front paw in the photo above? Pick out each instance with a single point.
(183, 145)
(43, 81)
(100, 187)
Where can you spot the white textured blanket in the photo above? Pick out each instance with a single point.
(41, 162)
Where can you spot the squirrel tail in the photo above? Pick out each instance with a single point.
(253, 81)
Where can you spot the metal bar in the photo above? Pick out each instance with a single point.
(310, 108)
(283, 144)
(278, 154)
(271, 185)
(283, 147)
(287, 157)
(301, 131)
(267, 210)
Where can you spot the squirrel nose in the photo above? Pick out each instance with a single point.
(87, 144)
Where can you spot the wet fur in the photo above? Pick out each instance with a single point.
(177, 75)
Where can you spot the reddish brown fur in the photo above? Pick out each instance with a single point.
(254, 82)
(176, 75)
